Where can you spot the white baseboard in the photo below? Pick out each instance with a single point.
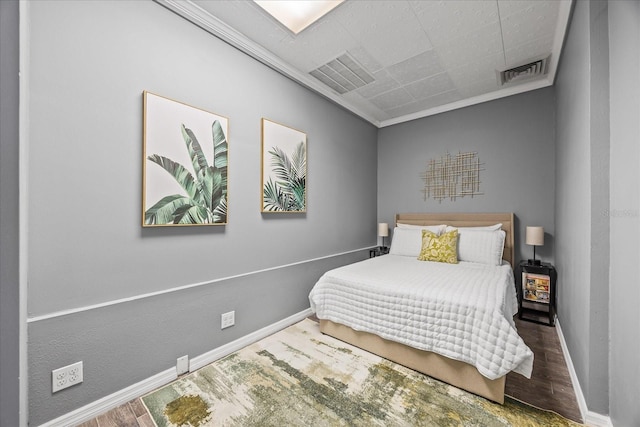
(220, 352)
(590, 418)
(118, 398)
(123, 396)
(114, 400)
(596, 420)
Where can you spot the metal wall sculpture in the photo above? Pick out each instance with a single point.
(452, 176)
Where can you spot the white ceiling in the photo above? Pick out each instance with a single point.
(426, 57)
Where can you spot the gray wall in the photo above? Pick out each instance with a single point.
(582, 168)
(9, 220)
(514, 137)
(600, 165)
(624, 45)
(90, 62)
(84, 168)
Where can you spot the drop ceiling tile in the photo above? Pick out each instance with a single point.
(430, 86)
(425, 104)
(365, 59)
(465, 49)
(480, 87)
(388, 30)
(533, 50)
(414, 48)
(509, 7)
(382, 83)
(417, 67)
(443, 98)
(289, 55)
(392, 99)
(446, 20)
(405, 109)
(318, 44)
(480, 69)
(534, 22)
(366, 106)
(391, 50)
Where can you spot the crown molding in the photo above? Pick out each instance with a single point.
(467, 102)
(203, 19)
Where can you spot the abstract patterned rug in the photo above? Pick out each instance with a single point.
(299, 377)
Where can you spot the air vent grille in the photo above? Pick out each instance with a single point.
(524, 72)
(343, 74)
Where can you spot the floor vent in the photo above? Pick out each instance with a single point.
(342, 74)
(524, 72)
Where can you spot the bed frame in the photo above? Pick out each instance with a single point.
(454, 372)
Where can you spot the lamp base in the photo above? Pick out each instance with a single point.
(533, 261)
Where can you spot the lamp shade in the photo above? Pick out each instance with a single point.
(383, 229)
(535, 236)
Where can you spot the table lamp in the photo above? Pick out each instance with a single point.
(535, 237)
(383, 231)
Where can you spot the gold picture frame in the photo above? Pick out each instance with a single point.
(284, 169)
(185, 164)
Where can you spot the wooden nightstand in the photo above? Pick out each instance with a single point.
(536, 288)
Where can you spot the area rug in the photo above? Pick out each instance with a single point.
(300, 377)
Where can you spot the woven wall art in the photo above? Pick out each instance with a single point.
(452, 177)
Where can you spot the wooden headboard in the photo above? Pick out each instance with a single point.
(466, 220)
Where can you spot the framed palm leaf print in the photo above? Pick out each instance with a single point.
(284, 168)
(184, 164)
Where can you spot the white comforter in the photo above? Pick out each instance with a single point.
(463, 311)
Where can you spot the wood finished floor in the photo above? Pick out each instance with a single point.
(550, 384)
(549, 387)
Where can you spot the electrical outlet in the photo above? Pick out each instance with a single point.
(182, 365)
(228, 319)
(66, 376)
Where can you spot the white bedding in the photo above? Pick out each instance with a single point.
(463, 311)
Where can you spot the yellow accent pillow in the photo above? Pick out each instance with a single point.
(443, 248)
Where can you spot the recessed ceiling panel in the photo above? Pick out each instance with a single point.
(424, 57)
(297, 15)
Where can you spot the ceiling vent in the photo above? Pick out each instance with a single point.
(343, 74)
(524, 72)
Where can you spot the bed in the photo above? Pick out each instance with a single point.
(453, 322)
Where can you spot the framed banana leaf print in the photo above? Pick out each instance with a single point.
(284, 168)
(184, 164)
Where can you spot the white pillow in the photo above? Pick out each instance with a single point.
(486, 227)
(481, 246)
(437, 229)
(406, 242)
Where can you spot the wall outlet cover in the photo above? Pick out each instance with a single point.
(227, 319)
(66, 376)
(182, 365)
